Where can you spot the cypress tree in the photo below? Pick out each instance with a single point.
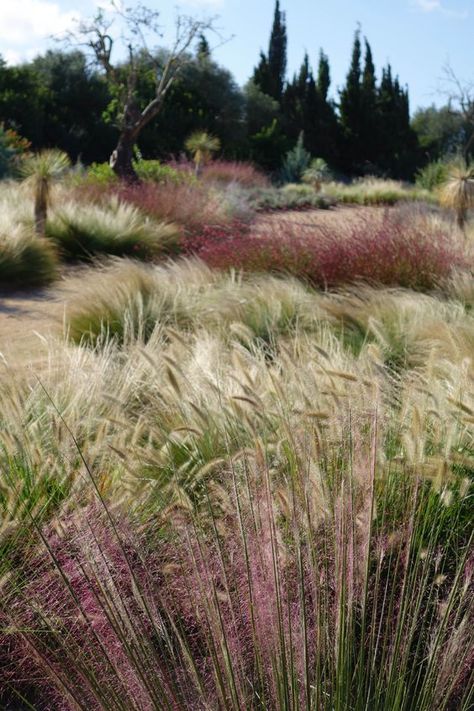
(350, 108)
(270, 73)
(324, 77)
(369, 128)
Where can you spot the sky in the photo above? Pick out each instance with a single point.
(417, 37)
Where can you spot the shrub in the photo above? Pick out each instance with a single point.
(100, 173)
(26, 260)
(296, 162)
(224, 172)
(394, 250)
(290, 197)
(157, 172)
(116, 228)
(13, 149)
(432, 175)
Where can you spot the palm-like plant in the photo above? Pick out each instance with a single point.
(457, 192)
(317, 173)
(202, 145)
(40, 169)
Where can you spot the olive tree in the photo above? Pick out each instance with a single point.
(127, 32)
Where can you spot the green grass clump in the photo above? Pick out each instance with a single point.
(26, 259)
(118, 229)
(289, 197)
(374, 191)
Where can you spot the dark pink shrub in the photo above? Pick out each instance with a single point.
(393, 250)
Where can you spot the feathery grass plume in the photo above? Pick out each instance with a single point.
(279, 594)
(115, 228)
(457, 192)
(41, 169)
(202, 146)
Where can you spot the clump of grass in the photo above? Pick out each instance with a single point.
(186, 204)
(116, 228)
(25, 259)
(315, 581)
(395, 249)
(374, 191)
(457, 193)
(223, 172)
(290, 197)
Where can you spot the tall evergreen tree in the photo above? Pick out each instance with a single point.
(324, 76)
(368, 130)
(350, 107)
(270, 73)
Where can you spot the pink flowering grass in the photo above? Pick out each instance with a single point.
(244, 174)
(394, 250)
(190, 205)
(277, 592)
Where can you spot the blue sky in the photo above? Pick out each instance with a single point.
(416, 36)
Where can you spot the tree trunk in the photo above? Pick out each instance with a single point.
(41, 206)
(122, 157)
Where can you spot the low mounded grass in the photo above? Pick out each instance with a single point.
(374, 191)
(116, 228)
(26, 260)
(289, 197)
(222, 172)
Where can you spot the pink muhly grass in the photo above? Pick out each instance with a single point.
(244, 174)
(392, 250)
(259, 604)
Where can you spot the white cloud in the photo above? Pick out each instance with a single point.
(438, 6)
(24, 23)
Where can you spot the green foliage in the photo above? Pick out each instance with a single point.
(82, 231)
(26, 260)
(101, 174)
(270, 73)
(13, 149)
(202, 146)
(440, 132)
(432, 175)
(289, 197)
(156, 172)
(268, 145)
(317, 173)
(296, 162)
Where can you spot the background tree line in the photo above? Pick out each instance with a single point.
(60, 99)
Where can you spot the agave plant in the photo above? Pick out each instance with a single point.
(457, 193)
(202, 145)
(40, 169)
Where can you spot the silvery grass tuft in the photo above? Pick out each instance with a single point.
(457, 192)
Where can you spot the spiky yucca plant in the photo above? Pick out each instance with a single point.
(202, 145)
(41, 169)
(317, 173)
(457, 193)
